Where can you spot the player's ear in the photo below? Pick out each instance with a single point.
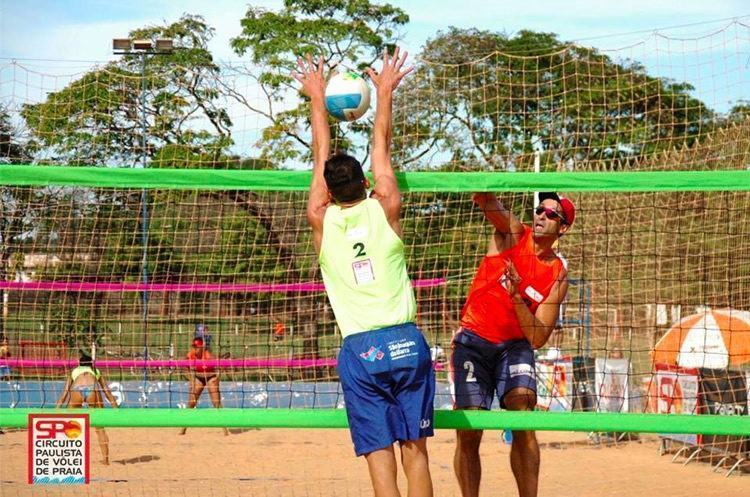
(367, 184)
(563, 229)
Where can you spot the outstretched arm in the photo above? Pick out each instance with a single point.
(311, 78)
(508, 229)
(108, 392)
(539, 326)
(65, 394)
(386, 187)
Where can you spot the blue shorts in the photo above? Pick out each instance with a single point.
(482, 369)
(389, 386)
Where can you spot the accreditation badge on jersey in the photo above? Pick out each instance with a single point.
(363, 273)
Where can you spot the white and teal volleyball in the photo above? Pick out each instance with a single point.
(347, 96)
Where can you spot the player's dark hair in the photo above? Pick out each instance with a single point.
(345, 178)
(85, 360)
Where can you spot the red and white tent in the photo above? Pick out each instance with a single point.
(714, 338)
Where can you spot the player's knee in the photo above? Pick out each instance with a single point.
(520, 399)
(414, 454)
(415, 446)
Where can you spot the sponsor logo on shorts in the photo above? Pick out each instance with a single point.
(402, 348)
(424, 423)
(373, 354)
(521, 370)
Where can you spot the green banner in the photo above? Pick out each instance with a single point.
(209, 179)
(336, 418)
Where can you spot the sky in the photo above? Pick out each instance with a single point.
(83, 29)
(672, 38)
(76, 33)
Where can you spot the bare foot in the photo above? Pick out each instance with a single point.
(105, 462)
(182, 431)
(226, 432)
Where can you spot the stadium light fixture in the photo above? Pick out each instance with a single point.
(164, 45)
(128, 45)
(144, 45)
(121, 44)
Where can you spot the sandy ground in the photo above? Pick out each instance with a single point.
(159, 462)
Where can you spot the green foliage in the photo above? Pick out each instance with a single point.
(107, 116)
(12, 150)
(76, 327)
(740, 112)
(13, 217)
(489, 101)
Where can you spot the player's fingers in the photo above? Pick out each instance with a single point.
(513, 272)
(400, 60)
(404, 73)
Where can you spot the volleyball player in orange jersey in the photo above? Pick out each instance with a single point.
(511, 309)
(202, 376)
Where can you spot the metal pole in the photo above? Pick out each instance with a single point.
(144, 223)
(537, 169)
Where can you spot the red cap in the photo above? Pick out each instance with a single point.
(568, 209)
(197, 342)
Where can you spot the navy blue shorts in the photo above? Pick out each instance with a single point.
(482, 369)
(389, 386)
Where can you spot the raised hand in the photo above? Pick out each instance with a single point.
(483, 198)
(310, 76)
(393, 71)
(511, 279)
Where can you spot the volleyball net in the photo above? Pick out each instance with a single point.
(134, 216)
(232, 263)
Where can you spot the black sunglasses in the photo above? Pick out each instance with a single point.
(550, 213)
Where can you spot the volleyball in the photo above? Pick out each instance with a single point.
(347, 96)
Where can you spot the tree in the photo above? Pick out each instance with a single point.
(740, 112)
(12, 150)
(172, 105)
(99, 118)
(349, 33)
(490, 101)
(12, 204)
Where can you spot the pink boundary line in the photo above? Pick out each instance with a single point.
(178, 363)
(82, 286)
(172, 363)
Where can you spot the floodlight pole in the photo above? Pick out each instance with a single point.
(144, 221)
(144, 48)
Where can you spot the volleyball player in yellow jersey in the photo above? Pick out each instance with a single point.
(384, 364)
(82, 389)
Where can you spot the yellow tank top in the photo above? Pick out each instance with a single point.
(84, 369)
(364, 269)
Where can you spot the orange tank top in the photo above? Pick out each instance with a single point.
(200, 368)
(488, 310)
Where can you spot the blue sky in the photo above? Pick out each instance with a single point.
(69, 31)
(82, 29)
